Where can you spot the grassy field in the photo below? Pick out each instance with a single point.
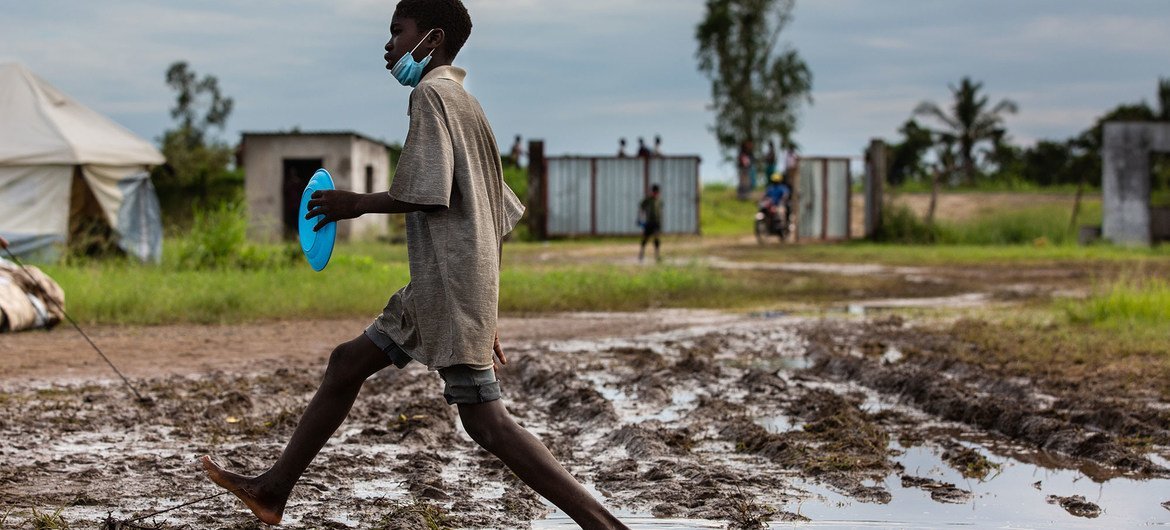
(214, 275)
(360, 278)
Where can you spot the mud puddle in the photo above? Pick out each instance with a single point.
(734, 421)
(1015, 495)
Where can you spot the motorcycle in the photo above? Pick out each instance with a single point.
(772, 220)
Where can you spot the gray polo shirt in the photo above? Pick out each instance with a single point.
(446, 315)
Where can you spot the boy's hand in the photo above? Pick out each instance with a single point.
(334, 205)
(500, 360)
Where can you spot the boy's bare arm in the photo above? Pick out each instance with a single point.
(336, 205)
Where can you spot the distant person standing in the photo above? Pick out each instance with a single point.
(769, 162)
(622, 148)
(657, 145)
(517, 151)
(650, 219)
(791, 165)
(745, 163)
(643, 151)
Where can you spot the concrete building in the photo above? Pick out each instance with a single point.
(1126, 157)
(277, 166)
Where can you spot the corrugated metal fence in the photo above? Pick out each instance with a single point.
(824, 196)
(599, 196)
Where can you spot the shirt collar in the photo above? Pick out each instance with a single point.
(453, 73)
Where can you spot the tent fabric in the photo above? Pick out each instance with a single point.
(34, 200)
(139, 224)
(29, 298)
(42, 125)
(44, 137)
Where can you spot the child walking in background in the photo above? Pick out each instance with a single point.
(650, 218)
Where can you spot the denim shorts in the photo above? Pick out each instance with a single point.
(462, 384)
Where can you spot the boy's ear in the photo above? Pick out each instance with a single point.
(437, 38)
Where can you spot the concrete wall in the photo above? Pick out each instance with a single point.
(1125, 178)
(373, 155)
(345, 156)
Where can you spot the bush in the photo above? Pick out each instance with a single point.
(1031, 226)
(219, 240)
(1034, 226)
(901, 225)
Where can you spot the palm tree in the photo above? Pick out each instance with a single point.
(969, 122)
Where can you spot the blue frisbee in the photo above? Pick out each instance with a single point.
(318, 246)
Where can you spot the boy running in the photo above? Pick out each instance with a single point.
(449, 182)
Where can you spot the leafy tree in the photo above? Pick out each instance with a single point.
(196, 161)
(970, 122)
(757, 84)
(1048, 163)
(906, 156)
(199, 104)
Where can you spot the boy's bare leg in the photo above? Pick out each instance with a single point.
(490, 425)
(266, 495)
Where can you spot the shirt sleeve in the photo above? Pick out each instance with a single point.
(513, 209)
(426, 170)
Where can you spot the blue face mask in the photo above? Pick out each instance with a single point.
(408, 71)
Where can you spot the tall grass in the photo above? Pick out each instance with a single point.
(219, 239)
(1039, 225)
(1127, 303)
(125, 293)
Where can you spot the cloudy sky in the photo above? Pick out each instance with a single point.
(580, 74)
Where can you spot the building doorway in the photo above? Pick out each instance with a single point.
(297, 172)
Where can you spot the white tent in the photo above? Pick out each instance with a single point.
(63, 165)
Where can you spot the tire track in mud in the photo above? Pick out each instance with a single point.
(1078, 426)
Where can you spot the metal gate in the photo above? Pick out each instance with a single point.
(824, 197)
(599, 196)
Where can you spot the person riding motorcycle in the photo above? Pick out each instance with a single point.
(773, 217)
(777, 191)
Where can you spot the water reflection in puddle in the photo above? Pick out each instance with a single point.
(1010, 498)
(1013, 497)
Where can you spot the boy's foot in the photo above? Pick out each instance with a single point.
(267, 511)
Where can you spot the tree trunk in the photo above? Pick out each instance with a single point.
(1076, 211)
(934, 184)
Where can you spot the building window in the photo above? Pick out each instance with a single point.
(369, 179)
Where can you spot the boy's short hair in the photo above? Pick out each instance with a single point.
(654, 188)
(448, 15)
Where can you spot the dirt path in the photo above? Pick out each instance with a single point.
(676, 419)
(62, 355)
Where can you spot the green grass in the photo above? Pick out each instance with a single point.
(1036, 225)
(942, 255)
(136, 294)
(723, 214)
(994, 186)
(360, 278)
(215, 276)
(1127, 304)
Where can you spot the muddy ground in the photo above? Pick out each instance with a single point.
(676, 419)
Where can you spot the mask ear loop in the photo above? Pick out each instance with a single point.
(420, 44)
